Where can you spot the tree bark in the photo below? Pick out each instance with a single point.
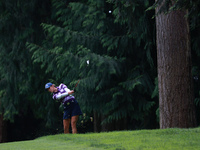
(97, 122)
(176, 101)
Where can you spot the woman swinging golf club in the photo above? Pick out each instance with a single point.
(71, 106)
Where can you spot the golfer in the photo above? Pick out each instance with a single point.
(71, 106)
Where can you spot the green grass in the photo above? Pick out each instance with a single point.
(180, 139)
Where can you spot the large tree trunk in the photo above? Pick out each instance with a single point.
(176, 102)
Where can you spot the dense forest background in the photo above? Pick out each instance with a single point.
(51, 41)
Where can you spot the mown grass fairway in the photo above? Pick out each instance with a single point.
(123, 140)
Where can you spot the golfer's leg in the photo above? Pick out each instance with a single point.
(74, 120)
(66, 123)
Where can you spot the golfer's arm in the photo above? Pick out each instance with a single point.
(69, 91)
(64, 94)
(59, 96)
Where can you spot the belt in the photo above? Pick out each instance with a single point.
(69, 102)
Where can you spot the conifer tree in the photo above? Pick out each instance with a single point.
(115, 38)
(20, 80)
